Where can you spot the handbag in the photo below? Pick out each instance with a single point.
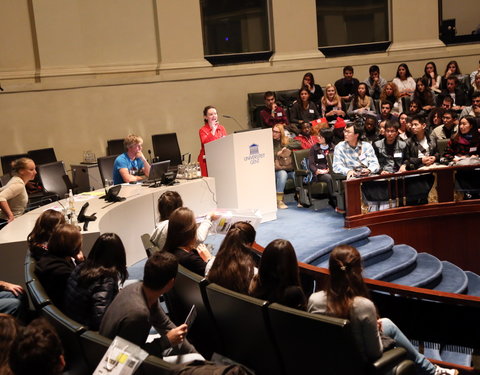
(283, 160)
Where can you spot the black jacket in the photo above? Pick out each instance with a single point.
(414, 162)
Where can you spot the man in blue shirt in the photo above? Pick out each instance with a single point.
(132, 165)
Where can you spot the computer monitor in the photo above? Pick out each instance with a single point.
(165, 147)
(157, 170)
(42, 156)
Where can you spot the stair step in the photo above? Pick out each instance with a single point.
(401, 257)
(427, 270)
(372, 250)
(473, 288)
(453, 280)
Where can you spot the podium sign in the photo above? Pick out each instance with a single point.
(243, 167)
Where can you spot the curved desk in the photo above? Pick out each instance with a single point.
(129, 219)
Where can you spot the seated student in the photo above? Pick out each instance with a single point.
(375, 83)
(433, 78)
(137, 308)
(474, 74)
(315, 90)
(403, 132)
(55, 266)
(404, 81)
(447, 129)
(476, 83)
(347, 86)
(435, 118)
(474, 109)
(353, 157)
(234, 266)
(37, 349)
(8, 332)
(361, 103)
(278, 278)
(331, 104)
(386, 114)
(466, 142)
(415, 108)
(318, 164)
(303, 110)
(424, 95)
(390, 93)
(306, 139)
(168, 202)
(371, 129)
(182, 241)
(132, 165)
(391, 152)
(93, 284)
(43, 229)
(451, 70)
(13, 300)
(447, 102)
(346, 296)
(422, 151)
(460, 100)
(274, 114)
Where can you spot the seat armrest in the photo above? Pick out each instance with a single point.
(389, 360)
(301, 172)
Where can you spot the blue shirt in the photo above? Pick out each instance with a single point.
(346, 158)
(123, 161)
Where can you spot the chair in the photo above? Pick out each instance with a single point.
(35, 290)
(156, 366)
(309, 343)
(4, 179)
(94, 346)
(245, 337)
(165, 147)
(105, 166)
(256, 103)
(115, 147)
(338, 188)
(311, 188)
(189, 290)
(52, 178)
(148, 245)
(6, 161)
(441, 146)
(43, 155)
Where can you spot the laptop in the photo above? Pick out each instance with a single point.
(157, 170)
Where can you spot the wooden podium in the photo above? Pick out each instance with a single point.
(243, 167)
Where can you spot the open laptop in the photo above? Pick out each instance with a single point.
(157, 170)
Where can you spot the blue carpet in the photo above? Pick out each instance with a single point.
(453, 280)
(473, 284)
(401, 257)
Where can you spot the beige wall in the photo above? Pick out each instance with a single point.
(104, 69)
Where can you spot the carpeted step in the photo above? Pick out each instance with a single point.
(453, 280)
(427, 270)
(372, 249)
(400, 258)
(473, 288)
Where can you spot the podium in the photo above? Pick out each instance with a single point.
(243, 167)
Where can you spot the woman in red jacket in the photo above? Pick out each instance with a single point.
(209, 132)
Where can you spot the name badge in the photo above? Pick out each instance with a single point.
(473, 149)
(397, 155)
(362, 157)
(311, 111)
(320, 156)
(279, 114)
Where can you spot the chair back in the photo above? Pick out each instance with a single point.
(94, 347)
(115, 147)
(6, 161)
(148, 245)
(52, 178)
(241, 323)
(4, 179)
(43, 155)
(441, 146)
(165, 147)
(298, 156)
(105, 166)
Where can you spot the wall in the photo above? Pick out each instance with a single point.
(77, 73)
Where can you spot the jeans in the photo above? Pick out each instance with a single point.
(423, 365)
(9, 304)
(281, 177)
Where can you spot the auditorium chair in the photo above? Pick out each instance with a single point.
(105, 167)
(245, 337)
(94, 346)
(35, 290)
(6, 161)
(43, 155)
(52, 178)
(115, 147)
(338, 188)
(148, 245)
(310, 343)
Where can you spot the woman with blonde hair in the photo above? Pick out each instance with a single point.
(391, 94)
(331, 104)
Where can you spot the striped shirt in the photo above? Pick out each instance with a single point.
(346, 157)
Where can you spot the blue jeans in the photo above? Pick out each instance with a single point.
(423, 365)
(9, 304)
(281, 177)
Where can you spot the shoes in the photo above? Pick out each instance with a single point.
(445, 371)
(339, 211)
(281, 205)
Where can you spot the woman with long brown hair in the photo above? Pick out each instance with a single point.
(41, 232)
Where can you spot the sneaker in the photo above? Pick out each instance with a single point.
(445, 371)
(281, 205)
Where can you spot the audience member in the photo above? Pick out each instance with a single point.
(13, 196)
(318, 164)
(403, 133)
(391, 152)
(338, 130)
(452, 90)
(315, 90)
(447, 102)
(476, 83)
(422, 151)
(8, 332)
(375, 83)
(137, 308)
(37, 349)
(361, 103)
(93, 284)
(371, 129)
(386, 114)
(346, 296)
(273, 114)
(42, 231)
(473, 76)
(303, 110)
(306, 139)
(55, 266)
(347, 86)
(353, 157)
(474, 109)
(451, 70)
(447, 129)
(390, 94)
(435, 118)
(13, 300)
(210, 131)
(234, 266)
(466, 142)
(282, 151)
(278, 278)
(434, 80)
(182, 241)
(332, 105)
(404, 81)
(415, 108)
(424, 95)
(132, 165)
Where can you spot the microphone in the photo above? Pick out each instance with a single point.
(233, 118)
(189, 157)
(150, 155)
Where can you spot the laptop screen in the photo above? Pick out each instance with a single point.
(157, 170)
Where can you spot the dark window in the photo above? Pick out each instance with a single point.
(459, 22)
(235, 31)
(352, 26)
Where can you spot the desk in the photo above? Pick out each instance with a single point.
(129, 219)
